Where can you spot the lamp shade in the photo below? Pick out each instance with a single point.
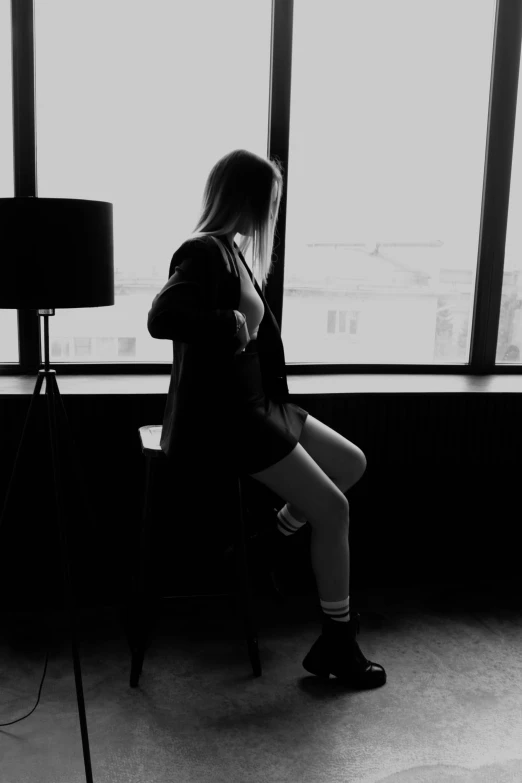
(55, 252)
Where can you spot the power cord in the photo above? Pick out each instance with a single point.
(73, 456)
(39, 691)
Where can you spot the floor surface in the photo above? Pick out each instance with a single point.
(450, 711)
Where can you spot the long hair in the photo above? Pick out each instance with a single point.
(239, 196)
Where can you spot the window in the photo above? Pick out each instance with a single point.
(388, 126)
(8, 318)
(152, 95)
(509, 343)
(127, 347)
(342, 322)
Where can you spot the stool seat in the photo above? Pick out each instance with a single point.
(150, 436)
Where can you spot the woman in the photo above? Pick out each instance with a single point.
(228, 390)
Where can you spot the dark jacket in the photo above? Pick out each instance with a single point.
(194, 309)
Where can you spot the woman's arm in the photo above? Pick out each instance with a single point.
(178, 311)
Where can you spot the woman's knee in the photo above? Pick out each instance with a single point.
(354, 468)
(300, 481)
(338, 512)
(364, 463)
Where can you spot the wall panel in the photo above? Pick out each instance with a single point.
(439, 499)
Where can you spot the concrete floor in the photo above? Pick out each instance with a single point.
(451, 709)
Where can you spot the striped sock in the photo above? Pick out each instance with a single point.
(286, 523)
(337, 610)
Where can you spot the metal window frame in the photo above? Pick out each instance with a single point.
(494, 212)
(24, 154)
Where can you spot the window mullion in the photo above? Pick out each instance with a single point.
(279, 136)
(24, 154)
(497, 178)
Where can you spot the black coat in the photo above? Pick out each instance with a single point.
(194, 309)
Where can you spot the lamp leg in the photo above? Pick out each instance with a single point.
(28, 419)
(53, 396)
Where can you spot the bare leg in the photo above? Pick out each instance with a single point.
(344, 485)
(298, 479)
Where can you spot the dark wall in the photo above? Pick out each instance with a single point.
(438, 502)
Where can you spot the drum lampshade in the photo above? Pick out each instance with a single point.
(55, 253)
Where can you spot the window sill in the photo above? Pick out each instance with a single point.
(299, 385)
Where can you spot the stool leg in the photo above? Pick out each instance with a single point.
(245, 592)
(140, 608)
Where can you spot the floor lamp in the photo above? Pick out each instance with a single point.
(56, 253)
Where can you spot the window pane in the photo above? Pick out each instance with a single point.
(6, 102)
(388, 131)
(8, 337)
(8, 318)
(509, 343)
(150, 99)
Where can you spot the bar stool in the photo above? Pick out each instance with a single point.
(138, 619)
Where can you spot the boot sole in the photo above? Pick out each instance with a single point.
(315, 664)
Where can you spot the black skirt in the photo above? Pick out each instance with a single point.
(264, 431)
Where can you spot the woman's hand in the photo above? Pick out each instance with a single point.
(244, 338)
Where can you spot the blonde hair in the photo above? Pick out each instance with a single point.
(238, 195)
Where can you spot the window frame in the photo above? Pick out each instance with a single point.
(494, 210)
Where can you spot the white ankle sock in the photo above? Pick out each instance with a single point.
(287, 524)
(337, 610)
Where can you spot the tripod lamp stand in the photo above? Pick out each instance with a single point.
(56, 253)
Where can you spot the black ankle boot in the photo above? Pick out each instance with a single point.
(336, 652)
